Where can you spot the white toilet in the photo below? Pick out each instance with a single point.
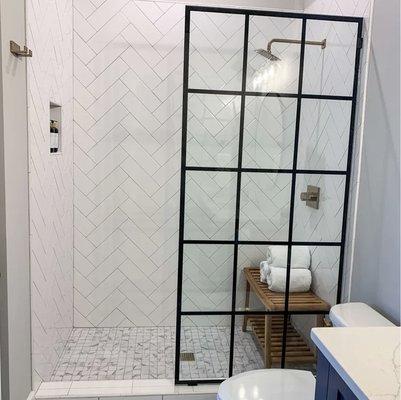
(291, 384)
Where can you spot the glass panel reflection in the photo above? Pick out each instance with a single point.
(280, 72)
(205, 347)
(330, 71)
(324, 134)
(265, 202)
(325, 223)
(207, 277)
(216, 51)
(269, 131)
(210, 205)
(213, 130)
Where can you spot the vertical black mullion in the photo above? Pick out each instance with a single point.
(293, 190)
(238, 194)
(182, 194)
(349, 161)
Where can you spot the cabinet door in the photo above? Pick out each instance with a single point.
(322, 377)
(337, 388)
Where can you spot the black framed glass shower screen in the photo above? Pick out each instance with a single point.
(255, 134)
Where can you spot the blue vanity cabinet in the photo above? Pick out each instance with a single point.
(329, 384)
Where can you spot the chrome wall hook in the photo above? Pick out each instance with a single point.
(17, 51)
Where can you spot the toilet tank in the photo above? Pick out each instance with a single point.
(356, 315)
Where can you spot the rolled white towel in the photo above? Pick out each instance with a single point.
(264, 271)
(300, 256)
(300, 279)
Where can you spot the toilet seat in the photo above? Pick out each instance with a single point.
(269, 384)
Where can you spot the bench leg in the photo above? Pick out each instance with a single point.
(319, 320)
(319, 324)
(247, 292)
(268, 327)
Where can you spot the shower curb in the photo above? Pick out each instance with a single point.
(151, 389)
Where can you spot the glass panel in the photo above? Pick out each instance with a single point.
(253, 263)
(330, 71)
(213, 130)
(263, 74)
(216, 51)
(265, 202)
(300, 352)
(207, 338)
(324, 267)
(325, 223)
(210, 205)
(325, 264)
(207, 277)
(314, 277)
(248, 349)
(269, 132)
(324, 134)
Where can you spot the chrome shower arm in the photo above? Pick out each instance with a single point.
(322, 44)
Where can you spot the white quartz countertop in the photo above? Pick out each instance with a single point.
(367, 359)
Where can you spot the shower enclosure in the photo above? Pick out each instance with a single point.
(268, 123)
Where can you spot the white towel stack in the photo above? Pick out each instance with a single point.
(273, 271)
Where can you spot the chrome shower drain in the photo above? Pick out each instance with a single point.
(187, 357)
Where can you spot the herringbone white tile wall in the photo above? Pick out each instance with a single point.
(128, 76)
(50, 78)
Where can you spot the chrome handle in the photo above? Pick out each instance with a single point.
(311, 196)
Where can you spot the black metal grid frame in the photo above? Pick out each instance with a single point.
(239, 170)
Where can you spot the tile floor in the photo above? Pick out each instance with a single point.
(148, 353)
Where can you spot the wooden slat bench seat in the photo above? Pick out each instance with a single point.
(269, 328)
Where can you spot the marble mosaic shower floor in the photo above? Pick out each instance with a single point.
(148, 353)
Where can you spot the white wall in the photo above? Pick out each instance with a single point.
(49, 35)
(376, 266)
(14, 221)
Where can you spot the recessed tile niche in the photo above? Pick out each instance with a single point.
(55, 128)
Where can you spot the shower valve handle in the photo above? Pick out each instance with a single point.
(311, 196)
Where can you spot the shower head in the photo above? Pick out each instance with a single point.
(267, 54)
(270, 56)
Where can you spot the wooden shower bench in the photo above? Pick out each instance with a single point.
(269, 328)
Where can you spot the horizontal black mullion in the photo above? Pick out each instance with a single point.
(195, 382)
(212, 169)
(192, 241)
(213, 91)
(319, 172)
(326, 97)
(235, 169)
(203, 313)
(269, 94)
(303, 96)
(279, 14)
(262, 242)
(250, 312)
(322, 244)
(266, 170)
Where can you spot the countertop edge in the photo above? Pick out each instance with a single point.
(337, 366)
